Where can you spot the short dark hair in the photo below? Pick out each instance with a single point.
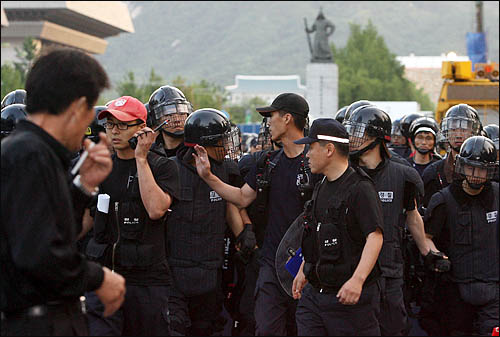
(342, 148)
(61, 76)
(298, 120)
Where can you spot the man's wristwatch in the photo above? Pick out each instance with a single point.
(79, 185)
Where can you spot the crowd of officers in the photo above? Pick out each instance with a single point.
(166, 223)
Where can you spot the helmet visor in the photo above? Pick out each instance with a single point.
(396, 130)
(175, 122)
(172, 108)
(231, 144)
(357, 134)
(264, 138)
(474, 171)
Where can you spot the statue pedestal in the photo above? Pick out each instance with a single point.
(322, 90)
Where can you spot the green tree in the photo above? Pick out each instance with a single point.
(129, 87)
(239, 112)
(14, 73)
(26, 56)
(12, 79)
(154, 82)
(368, 70)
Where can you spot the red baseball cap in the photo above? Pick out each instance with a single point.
(125, 109)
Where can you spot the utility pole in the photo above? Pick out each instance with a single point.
(479, 16)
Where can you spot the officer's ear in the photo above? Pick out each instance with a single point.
(330, 147)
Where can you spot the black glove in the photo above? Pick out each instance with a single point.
(435, 261)
(246, 241)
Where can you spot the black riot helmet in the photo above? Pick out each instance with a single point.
(398, 141)
(405, 123)
(423, 124)
(14, 97)
(97, 125)
(210, 127)
(491, 131)
(396, 128)
(477, 154)
(353, 106)
(169, 103)
(264, 138)
(340, 115)
(368, 121)
(11, 114)
(149, 123)
(460, 122)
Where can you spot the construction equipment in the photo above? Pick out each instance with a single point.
(478, 88)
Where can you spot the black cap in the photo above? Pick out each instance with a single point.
(325, 129)
(288, 102)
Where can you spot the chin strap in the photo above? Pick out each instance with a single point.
(355, 155)
(475, 186)
(177, 134)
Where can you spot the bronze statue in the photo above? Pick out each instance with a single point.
(320, 51)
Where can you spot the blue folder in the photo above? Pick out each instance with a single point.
(293, 265)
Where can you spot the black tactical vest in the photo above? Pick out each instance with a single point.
(327, 247)
(390, 183)
(474, 241)
(265, 164)
(139, 239)
(196, 226)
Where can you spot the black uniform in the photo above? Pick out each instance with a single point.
(283, 205)
(466, 229)
(195, 236)
(421, 167)
(128, 241)
(42, 274)
(398, 186)
(436, 177)
(248, 273)
(333, 240)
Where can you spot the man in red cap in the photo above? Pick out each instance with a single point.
(130, 238)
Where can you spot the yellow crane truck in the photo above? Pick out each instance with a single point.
(478, 88)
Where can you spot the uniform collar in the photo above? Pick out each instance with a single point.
(486, 197)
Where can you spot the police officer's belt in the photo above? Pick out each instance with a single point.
(69, 307)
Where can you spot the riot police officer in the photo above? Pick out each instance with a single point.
(399, 143)
(340, 244)
(399, 187)
(462, 221)
(11, 114)
(423, 131)
(459, 123)
(17, 96)
(405, 123)
(284, 183)
(169, 103)
(196, 227)
(129, 232)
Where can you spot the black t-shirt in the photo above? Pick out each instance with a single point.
(364, 213)
(365, 210)
(116, 185)
(285, 202)
(420, 167)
